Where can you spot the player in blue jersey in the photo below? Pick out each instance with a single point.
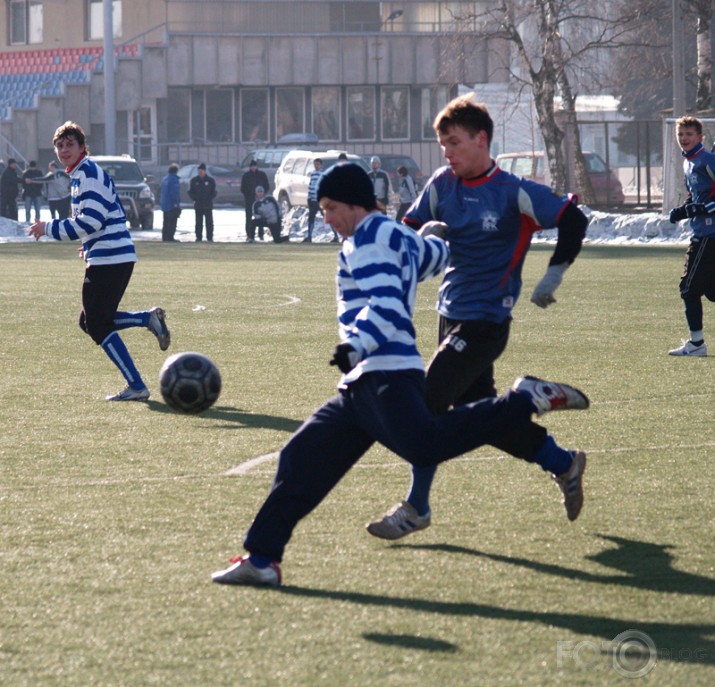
(698, 277)
(487, 218)
(381, 392)
(98, 220)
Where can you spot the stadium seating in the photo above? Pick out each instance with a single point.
(27, 75)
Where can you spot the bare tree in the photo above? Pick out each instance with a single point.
(703, 10)
(554, 39)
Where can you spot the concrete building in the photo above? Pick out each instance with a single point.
(212, 79)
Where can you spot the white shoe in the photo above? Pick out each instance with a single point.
(690, 349)
(129, 394)
(546, 396)
(398, 522)
(244, 572)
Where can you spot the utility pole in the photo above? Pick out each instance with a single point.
(110, 108)
(678, 61)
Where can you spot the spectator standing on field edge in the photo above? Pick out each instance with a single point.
(381, 184)
(32, 192)
(313, 205)
(253, 178)
(381, 391)
(698, 278)
(266, 213)
(107, 248)
(170, 203)
(407, 191)
(202, 190)
(57, 191)
(10, 183)
(487, 218)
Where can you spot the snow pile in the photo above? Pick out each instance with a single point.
(604, 227)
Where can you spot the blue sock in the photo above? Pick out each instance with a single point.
(418, 496)
(260, 561)
(116, 350)
(124, 320)
(552, 457)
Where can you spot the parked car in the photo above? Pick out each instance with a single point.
(293, 175)
(268, 159)
(389, 163)
(228, 182)
(532, 165)
(132, 188)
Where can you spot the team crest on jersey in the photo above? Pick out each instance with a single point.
(490, 222)
(508, 302)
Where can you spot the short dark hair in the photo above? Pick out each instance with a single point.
(463, 111)
(402, 170)
(173, 168)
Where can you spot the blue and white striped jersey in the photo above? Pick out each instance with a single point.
(315, 177)
(378, 270)
(98, 218)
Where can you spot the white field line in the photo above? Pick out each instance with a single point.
(249, 465)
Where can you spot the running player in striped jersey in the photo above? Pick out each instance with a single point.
(381, 392)
(98, 220)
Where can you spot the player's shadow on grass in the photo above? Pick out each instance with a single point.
(235, 418)
(643, 566)
(682, 643)
(410, 642)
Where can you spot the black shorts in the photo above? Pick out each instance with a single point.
(102, 291)
(462, 369)
(699, 270)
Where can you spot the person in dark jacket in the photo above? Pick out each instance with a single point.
(253, 178)
(202, 190)
(170, 203)
(10, 183)
(32, 192)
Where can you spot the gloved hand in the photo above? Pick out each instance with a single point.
(345, 357)
(543, 295)
(695, 209)
(433, 228)
(677, 214)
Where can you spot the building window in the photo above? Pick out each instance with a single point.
(219, 115)
(325, 112)
(432, 101)
(290, 111)
(254, 114)
(95, 21)
(25, 22)
(395, 113)
(361, 113)
(179, 115)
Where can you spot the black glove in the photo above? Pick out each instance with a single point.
(677, 214)
(345, 357)
(695, 209)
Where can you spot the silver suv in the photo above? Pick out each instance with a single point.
(293, 175)
(132, 188)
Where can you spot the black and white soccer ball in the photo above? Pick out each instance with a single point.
(190, 382)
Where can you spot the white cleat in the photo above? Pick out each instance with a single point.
(547, 396)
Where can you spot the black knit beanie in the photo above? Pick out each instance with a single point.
(347, 183)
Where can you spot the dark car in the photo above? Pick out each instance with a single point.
(389, 164)
(132, 188)
(228, 182)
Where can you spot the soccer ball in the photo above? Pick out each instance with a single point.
(190, 382)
